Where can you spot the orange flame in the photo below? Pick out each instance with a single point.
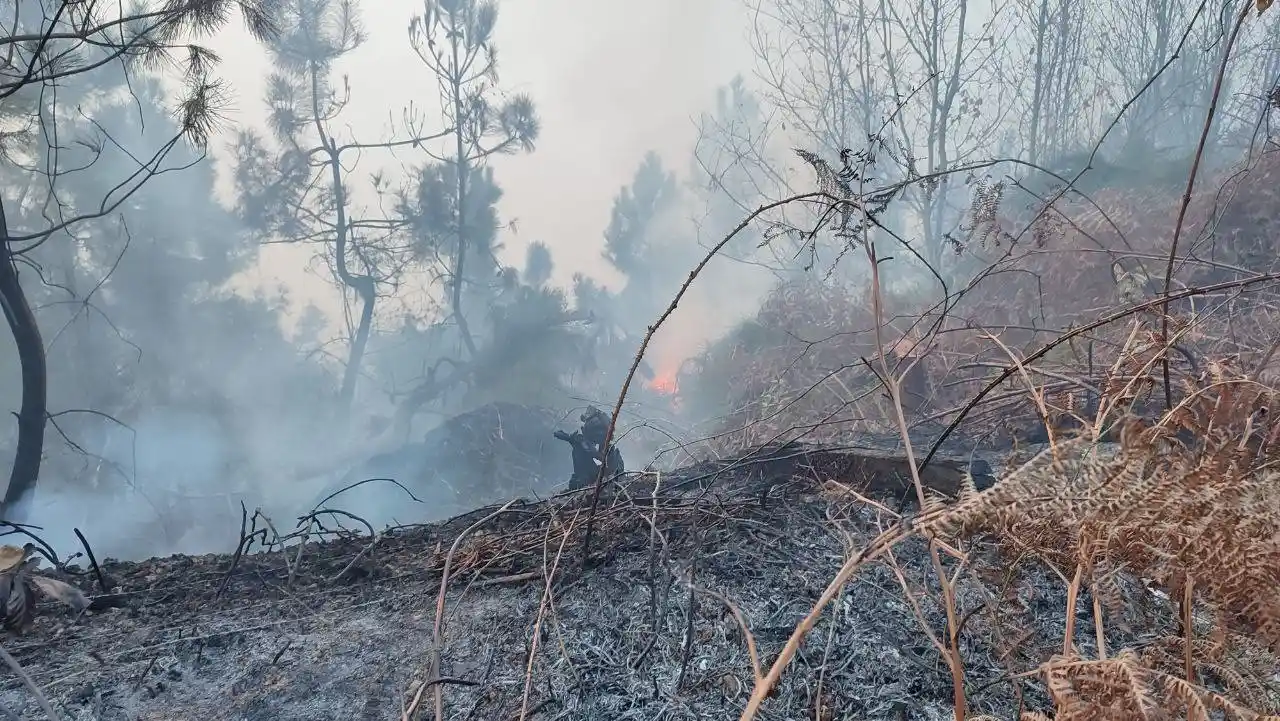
(665, 383)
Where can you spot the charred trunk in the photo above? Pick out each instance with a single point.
(26, 336)
(368, 298)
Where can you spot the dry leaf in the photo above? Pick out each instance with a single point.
(17, 601)
(18, 586)
(11, 556)
(60, 591)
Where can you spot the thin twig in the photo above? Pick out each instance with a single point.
(822, 669)
(93, 562)
(21, 673)
(1037, 396)
(437, 632)
(742, 626)
(235, 559)
(894, 386)
(1191, 183)
(542, 612)
(644, 346)
(363, 552)
(877, 547)
(432, 683)
(688, 631)
(1075, 332)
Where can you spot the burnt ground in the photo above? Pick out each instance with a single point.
(344, 629)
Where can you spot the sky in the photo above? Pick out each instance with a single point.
(612, 79)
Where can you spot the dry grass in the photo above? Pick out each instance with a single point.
(1200, 520)
(796, 369)
(1187, 503)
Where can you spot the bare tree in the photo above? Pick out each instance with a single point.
(818, 60)
(302, 193)
(920, 77)
(1077, 63)
(732, 172)
(1132, 45)
(454, 39)
(44, 44)
(945, 75)
(1056, 56)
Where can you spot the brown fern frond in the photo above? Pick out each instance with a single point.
(1201, 517)
(1116, 689)
(1127, 687)
(1172, 514)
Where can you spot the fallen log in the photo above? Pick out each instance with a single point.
(875, 472)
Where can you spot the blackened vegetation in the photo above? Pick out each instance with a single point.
(647, 629)
(498, 450)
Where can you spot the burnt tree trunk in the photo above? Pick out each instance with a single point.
(368, 297)
(35, 376)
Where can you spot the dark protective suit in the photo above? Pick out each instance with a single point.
(585, 444)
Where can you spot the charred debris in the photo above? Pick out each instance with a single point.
(303, 625)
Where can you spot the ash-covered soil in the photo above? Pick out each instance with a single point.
(345, 629)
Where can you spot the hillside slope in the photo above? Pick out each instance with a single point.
(345, 629)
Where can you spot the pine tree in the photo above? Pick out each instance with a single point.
(454, 39)
(298, 188)
(44, 51)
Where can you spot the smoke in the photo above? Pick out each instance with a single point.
(176, 479)
(727, 291)
(176, 458)
(193, 370)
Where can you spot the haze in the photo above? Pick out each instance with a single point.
(240, 332)
(613, 80)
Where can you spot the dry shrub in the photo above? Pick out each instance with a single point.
(1126, 688)
(792, 370)
(1082, 258)
(796, 368)
(1191, 503)
(1082, 255)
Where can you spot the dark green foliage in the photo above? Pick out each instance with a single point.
(431, 213)
(269, 184)
(535, 347)
(538, 264)
(495, 334)
(136, 312)
(629, 245)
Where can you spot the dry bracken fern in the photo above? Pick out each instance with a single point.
(1126, 688)
(1201, 518)
(1206, 516)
